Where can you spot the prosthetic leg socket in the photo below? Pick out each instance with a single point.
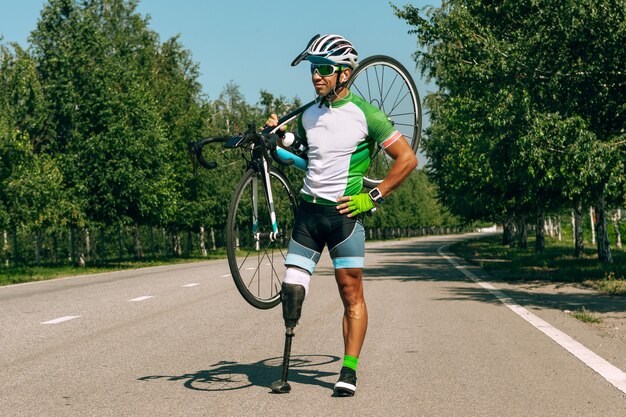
(292, 297)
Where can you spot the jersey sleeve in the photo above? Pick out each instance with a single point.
(380, 128)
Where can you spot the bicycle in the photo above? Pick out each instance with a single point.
(264, 206)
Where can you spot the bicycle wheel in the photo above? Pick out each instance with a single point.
(385, 83)
(255, 253)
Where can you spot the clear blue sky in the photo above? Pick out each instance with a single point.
(253, 42)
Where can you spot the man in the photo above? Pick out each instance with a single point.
(339, 131)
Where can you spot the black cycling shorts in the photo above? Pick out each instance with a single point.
(318, 225)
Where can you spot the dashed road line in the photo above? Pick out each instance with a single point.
(609, 372)
(60, 320)
(190, 285)
(142, 298)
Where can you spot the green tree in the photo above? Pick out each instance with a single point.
(500, 69)
(30, 182)
(95, 61)
(184, 113)
(577, 56)
(476, 116)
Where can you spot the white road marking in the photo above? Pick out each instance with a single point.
(224, 276)
(60, 320)
(611, 373)
(190, 285)
(143, 298)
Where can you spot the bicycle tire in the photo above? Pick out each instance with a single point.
(385, 83)
(256, 261)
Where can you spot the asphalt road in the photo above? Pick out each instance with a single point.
(180, 341)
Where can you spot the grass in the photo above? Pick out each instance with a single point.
(584, 315)
(20, 274)
(610, 284)
(556, 264)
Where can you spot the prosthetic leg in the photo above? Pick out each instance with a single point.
(292, 296)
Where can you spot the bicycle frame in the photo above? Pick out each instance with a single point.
(259, 162)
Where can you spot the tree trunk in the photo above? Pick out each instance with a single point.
(152, 245)
(120, 243)
(604, 248)
(540, 236)
(5, 247)
(213, 243)
(77, 246)
(87, 245)
(522, 234)
(559, 230)
(189, 243)
(202, 244)
(549, 226)
(166, 252)
(55, 248)
(176, 248)
(70, 245)
(38, 247)
(16, 251)
(137, 242)
(507, 232)
(579, 241)
(81, 248)
(102, 244)
(73, 247)
(617, 214)
(592, 219)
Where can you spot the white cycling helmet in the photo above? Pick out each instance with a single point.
(329, 49)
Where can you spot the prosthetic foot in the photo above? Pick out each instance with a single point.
(292, 297)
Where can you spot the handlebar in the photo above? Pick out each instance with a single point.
(265, 139)
(196, 148)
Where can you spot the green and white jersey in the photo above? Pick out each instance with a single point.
(341, 138)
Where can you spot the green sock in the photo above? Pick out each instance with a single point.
(350, 361)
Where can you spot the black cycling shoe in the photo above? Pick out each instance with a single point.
(346, 385)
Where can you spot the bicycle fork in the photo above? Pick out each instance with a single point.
(273, 235)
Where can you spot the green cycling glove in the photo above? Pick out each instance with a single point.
(360, 203)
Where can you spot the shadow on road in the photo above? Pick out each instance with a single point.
(561, 301)
(409, 262)
(419, 262)
(227, 375)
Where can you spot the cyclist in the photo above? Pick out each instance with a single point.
(339, 132)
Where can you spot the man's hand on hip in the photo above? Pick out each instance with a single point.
(355, 205)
